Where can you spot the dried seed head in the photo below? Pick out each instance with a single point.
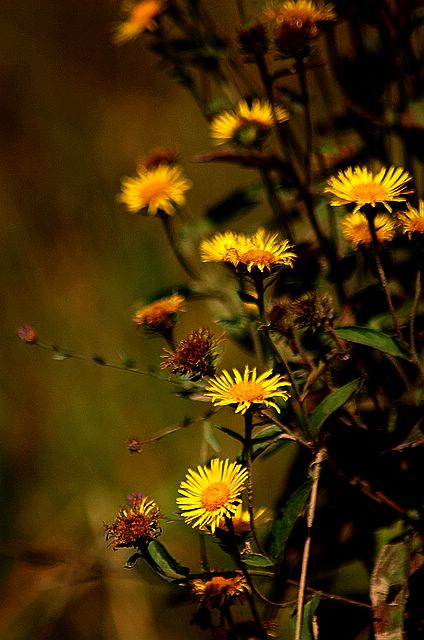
(195, 356)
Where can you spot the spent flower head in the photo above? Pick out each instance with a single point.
(312, 311)
(211, 493)
(360, 186)
(157, 157)
(27, 334)
(249, 390)
(155, 189)
(195, 356)
(136, 524)
(138, 17)
(159, 316)
(356, 229)
(218, 591)
(261, 250)
(294, 24)
(246, 125)
(412, 220)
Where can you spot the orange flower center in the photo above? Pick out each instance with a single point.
(258, 257)
(154, 190)
(215, 496)
(217, 585)
(248, 391)
(371, 192)
(145, 11)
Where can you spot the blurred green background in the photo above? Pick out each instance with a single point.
(75, 113)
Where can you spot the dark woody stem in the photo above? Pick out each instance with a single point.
(248, 456)
(300, 66)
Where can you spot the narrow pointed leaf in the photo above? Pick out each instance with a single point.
(286, 519)
(309, 622)
(257, 560)
(372, 338)
(330, 404)
(132, 560)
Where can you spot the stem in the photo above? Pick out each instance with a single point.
(169, 231)
(413, 316)
(248, 454)
(276, 205)
(316, 468)
(383, 280)
(308, 121)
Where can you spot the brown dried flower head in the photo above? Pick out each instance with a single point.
(253, 41)
(280, 317)
(161, 155)
(195, 356)
(27, 334)
(219, 590)
(136, 524)
(312, 311)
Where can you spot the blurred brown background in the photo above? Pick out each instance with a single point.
(75, 113)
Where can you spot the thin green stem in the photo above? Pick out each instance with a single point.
(248, 428)
(300, 66)
(170, 234)
(413, 316)
(275, 204)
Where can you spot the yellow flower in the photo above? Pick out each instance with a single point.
(355, 228)
(136, 524)
(412, 221)
(158, 188)
(219, 590)
(362, 187)
(245, 391)
(139, 17)
(211, 493)
(241, 519)
(261, 250)
(160, 314)
(246, 124)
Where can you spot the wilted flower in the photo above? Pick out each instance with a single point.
(312, 311)
(211, 493)
(246, 125)
(27, 334)
(412, 221)
(280, 317)
(159, 188)
(295, 24)
(135, 525)
(219, 590)
(356, 229)
(253, 40)
(360, 186)
(139, 17)
(195, 356)
(159, 156)
(134, 445)
(247, 390)
(159, 316)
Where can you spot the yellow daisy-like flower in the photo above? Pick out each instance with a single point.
(246, 124)
(362, 187)
(139, 17)
(247, 390)
(219, 590)
(355, 228)
(211, 493)
(158, 188)
(261, 250)
(160, 314)
(412, 221)
(241, 519)
(136, 524)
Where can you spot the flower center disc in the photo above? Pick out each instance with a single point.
(215, 496)
(143, 12)
(369, 193)
(248, 391)
(257, 257)
(154, 190)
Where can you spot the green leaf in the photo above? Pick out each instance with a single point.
(372, 338)
(389, 590)
(267, 437)
(235, 204)
(257, 560)
(231, 433)
(286, 519)
(330, 404)
(309, 619)
(210, 437)
(163, 563)
(132, 560)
